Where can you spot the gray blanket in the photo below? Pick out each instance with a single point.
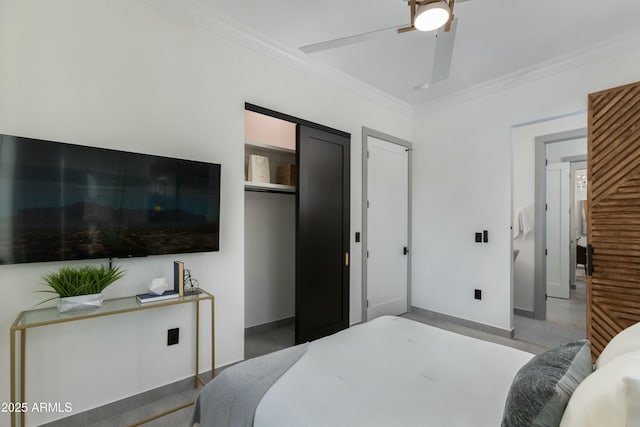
(231, 399)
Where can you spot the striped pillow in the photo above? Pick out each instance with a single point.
(541, 388)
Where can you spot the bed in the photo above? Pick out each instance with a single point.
(393, 371)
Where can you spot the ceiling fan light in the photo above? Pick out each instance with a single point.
(431, 16)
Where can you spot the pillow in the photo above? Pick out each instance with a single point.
(541, 388)
(626, 341)
(608, 397)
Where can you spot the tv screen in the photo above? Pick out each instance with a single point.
(67, 202)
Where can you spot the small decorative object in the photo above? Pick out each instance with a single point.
(259, 169)
(191, 285)
(81, 302)
(158, 286)
(81, 287)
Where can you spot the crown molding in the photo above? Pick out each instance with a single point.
(213, 22)
(610, 48)
(223, 26)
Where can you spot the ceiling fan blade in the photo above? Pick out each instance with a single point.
(443, 53)
(344, 41)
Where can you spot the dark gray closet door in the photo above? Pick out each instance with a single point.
(322, 238)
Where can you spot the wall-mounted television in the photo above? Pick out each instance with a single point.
(61, 201)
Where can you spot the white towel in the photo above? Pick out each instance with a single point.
(520, 225)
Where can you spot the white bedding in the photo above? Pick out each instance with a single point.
(393, 371)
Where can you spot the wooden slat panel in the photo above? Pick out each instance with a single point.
(627, 282)
(613, 292)
(619, 166)
(615, 147)
(617, 125)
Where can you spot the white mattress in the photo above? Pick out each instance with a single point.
(393, 371)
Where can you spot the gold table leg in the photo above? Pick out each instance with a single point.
(197, 337)
(12, 374)
(17, 404)
(213, 347)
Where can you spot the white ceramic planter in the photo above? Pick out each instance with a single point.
(81, 302)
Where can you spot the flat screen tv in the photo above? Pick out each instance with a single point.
(62, 201)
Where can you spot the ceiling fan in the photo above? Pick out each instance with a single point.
(426, 15)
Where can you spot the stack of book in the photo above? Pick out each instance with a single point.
(145, 298)
(178, 287)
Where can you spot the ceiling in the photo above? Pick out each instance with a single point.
(494, 38)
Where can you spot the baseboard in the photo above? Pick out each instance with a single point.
(524, 313)
(507, 333)
(268, 326)
(100, 413)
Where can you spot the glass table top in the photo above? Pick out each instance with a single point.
(50, 315)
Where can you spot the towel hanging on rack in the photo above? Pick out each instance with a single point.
(520, 224)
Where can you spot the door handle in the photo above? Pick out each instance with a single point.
(590, 260)
(405, 251)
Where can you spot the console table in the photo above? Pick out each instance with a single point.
(50, 316)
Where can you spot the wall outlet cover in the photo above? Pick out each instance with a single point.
(173, 336)
(477, 294)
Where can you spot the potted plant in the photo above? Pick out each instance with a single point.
(80, 287)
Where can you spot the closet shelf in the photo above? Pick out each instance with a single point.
(270, 188)
(268, 147)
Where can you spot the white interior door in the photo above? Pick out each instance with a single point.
(387, 228)
(558, 229)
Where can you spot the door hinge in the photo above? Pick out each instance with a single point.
(367, 253)
(367, 154)
(367, 303)
(367, 204)
(546, 207)
(346, 259)
(546, 252)
(405, 250)
(546, 162)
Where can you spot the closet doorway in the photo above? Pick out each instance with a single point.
(296, 230)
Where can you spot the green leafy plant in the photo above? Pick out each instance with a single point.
(83, 280)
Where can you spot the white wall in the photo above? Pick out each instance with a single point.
(558, 151)
(130, 75)
(269, 254)
(267, 130)
(524, 195)
(462, 184)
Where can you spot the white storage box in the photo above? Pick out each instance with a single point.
(258, 169)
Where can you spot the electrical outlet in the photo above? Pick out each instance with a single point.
(173, 336)
(478, 237)
(477, 294)
(485, 236)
